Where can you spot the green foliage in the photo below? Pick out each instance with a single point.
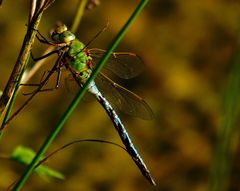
(222, 163)
(25, 155)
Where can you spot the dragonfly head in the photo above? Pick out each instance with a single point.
(61, 34)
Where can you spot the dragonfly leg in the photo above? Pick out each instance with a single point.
(42, 39)
(44, 56)
(57, 82)
(57, 66)
(43, 82)
(33, 84)
(45, 41)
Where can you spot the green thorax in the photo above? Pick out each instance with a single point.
(77, 57)
(79, 60)
(76, 54)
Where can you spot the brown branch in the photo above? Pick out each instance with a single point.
(24, 54)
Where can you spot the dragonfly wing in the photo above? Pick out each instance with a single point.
(71, 84)
(124, 64)
(123, 99)
(73, 87)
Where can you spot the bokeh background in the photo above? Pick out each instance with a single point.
(187, 47)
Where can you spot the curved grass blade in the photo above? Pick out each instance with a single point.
(24, 155)
(226, 138)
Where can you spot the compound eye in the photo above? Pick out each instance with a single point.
(68, 36)
(54, 36)
(58, 32)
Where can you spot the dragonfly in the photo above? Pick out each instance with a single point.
(80, 62)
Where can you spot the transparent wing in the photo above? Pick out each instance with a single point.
(124, 64)
(71, 84)
(73, 87)
(123, 99)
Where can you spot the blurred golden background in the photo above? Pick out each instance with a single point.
(186, 46)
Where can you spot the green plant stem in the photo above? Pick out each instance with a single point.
(79, 15)
(78, 97)
(19, 66)
(10, 91)
(11, 102)
(221, 167)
